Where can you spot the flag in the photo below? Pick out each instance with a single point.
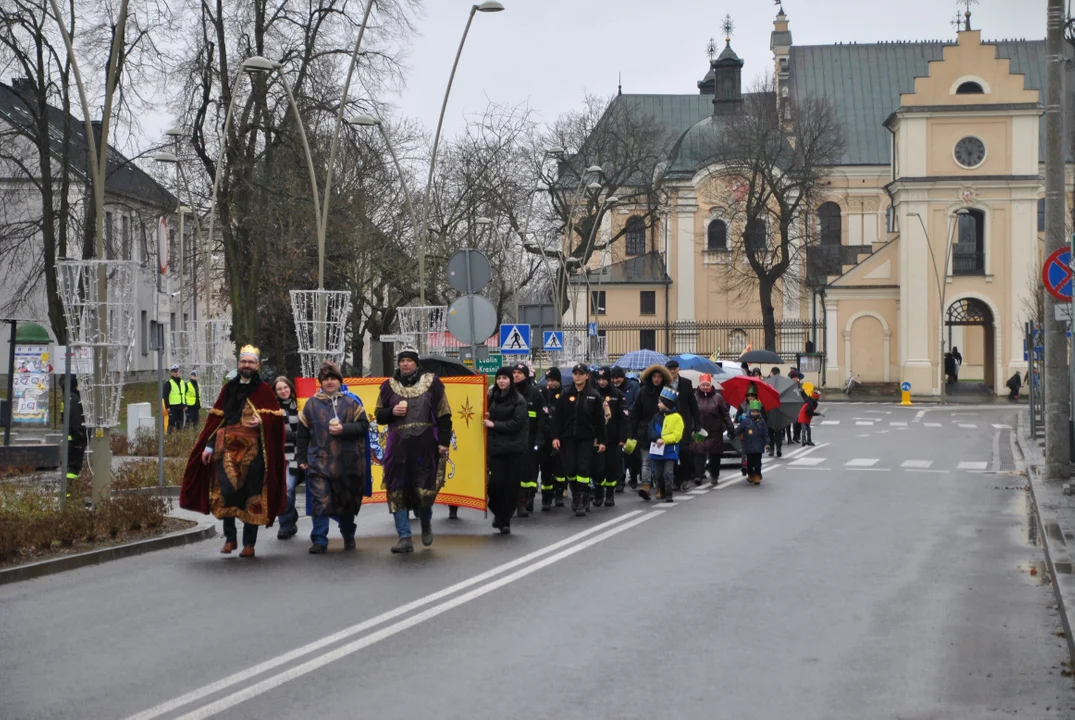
(749, 347)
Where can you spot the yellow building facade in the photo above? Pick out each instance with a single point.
(929, 237)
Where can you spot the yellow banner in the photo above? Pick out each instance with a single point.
(465, 477)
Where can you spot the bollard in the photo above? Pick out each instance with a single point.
(905, 388)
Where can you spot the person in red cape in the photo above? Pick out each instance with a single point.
(237, 468)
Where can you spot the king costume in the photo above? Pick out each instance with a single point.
(245, 477)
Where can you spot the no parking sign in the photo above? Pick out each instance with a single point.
(1056, 274)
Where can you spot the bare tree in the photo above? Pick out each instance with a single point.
(771, 161)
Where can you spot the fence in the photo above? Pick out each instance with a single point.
(727, 339)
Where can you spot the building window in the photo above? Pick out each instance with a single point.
(597, 302)
(110, 238)
(125, 237)
(636, 236)
(968, 253)
(717, 236)
(969, 88)
(828, 216)
(144, 327)
(647, 339)
(647, 302)
(755, 235)
(737, 342)
(1041, 214)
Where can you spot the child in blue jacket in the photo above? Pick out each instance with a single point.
(754, 434)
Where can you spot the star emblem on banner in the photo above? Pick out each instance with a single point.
(466, 413)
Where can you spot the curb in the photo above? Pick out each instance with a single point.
(96, 557)
(1057, 558)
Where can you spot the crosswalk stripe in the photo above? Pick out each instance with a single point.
(1003, 427)
(898, 424)
(968, 426)
(919, 464)
(976, 465)
(806, 462)
(830, 422)
(861, 462)
(933, 424)
(867, 423)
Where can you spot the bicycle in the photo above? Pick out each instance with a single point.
(852, 381)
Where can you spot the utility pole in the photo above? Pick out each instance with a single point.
(1057, 402)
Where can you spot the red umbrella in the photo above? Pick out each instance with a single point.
(735, 391)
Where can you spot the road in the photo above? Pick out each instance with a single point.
(889, 572)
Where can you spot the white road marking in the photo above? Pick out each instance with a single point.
(830, 422)
(968, 426)
(1003, 427)
(941, 472)
(699, 491)
(919, 415)
(351, 648)
(863, 435)
(865, 423)
(933, 424)
(898, 424)
(872, 469)
(807, 462)
(861, 462)
(976, 465)
(822, 469)
(918, 464)
(244, 675)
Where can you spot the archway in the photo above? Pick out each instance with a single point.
(970, 329)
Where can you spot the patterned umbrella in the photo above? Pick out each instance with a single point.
(641, 359)
(696, 362)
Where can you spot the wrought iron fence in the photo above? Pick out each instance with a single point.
(967, 262)
(726, 339)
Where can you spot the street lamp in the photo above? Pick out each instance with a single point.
(609, 202)
(942, 285)
(486, 7)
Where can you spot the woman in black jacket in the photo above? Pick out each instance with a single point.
(507, 428)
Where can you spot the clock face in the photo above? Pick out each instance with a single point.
(970, 152)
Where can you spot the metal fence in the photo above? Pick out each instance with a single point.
(727, 339)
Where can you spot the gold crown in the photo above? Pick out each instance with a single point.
(251, 351)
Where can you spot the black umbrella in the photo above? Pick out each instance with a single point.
(444, 366)
(791, 401)
(760, 356)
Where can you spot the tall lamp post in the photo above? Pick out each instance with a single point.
(489, 6)
(942, 281)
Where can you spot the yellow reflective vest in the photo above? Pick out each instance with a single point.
(176, 390)
(191, 394)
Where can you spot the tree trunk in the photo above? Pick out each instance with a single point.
(768, 312)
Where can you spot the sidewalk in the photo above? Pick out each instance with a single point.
(1055, 512)
(835, 396)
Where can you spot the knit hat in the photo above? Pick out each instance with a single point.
(618, 372)
(523, 368)
(553, 373)
(329, 369)
(604, 373)
(755, 405)
(407, 352)
(668, 397)
(504, 372)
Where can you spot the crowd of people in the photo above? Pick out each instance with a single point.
(583, 442)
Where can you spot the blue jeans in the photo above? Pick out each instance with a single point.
(319, 536)
(291, 516)
(403, 520)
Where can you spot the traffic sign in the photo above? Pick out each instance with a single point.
(554, 341)
(1062, 312)
(906, 386)
(515, 339)
(460, 320)
(478, 272)
(1056, 274)
(592, 329)
(489, 365)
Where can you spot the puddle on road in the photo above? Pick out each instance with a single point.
(1035, 571)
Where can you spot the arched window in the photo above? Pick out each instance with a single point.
(969, 88)
(636, 236)
(828, 216)
(756, 234)
(737, 342)
(968, 253)
(717, 236)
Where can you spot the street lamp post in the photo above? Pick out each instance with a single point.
(490, 6)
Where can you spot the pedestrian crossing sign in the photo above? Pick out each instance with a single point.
(554, 341)
(515, 339)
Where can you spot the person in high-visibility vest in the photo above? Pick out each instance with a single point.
(174, 397)
(193, 400)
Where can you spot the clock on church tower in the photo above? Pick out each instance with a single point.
(970, 152)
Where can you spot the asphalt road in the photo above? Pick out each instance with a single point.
(886, 573)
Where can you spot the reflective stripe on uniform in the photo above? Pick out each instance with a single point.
(72, 476)
(528, 484)
(545, 487)
(533, 413)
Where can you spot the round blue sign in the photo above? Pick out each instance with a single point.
(906, 386)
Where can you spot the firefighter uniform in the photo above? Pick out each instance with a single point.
(579, 426)
(608, 470)
(553, 480)
(538, 429)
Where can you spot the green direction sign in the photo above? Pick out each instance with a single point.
(490, 365)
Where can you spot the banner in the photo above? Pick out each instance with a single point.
(466, 476)
(31, 384)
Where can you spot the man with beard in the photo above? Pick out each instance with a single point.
(414, 407)
(553, 480)
(538, 427)
(629, 387)
(579, 434)
(608, 474)
(687, 407)
(237, 468)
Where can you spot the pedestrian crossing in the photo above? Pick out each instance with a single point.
(875, 465)
(878, 423)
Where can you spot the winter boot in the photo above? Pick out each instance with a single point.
(598, 495)
(427, 532)
(521, 510)
(404, 545)
(668, 494)
(530, 501)
(546, 502)
(620, 486)
(643, 492)
(578, 502)
(560, 496)
(610, 496)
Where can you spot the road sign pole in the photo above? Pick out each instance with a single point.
(470, 313)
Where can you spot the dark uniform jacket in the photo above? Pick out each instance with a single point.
(579, 414)
(535, 409)
(507, 410)
(616, 427)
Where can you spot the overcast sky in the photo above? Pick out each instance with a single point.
(549, 53)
